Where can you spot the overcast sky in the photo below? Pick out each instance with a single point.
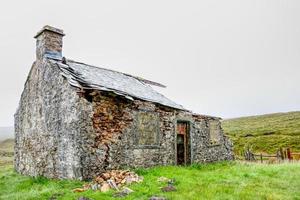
(225, 58)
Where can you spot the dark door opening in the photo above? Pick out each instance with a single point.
(183, 155)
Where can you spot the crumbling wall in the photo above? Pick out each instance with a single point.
(116, 123)
(110, 118)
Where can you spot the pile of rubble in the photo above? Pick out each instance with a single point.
(118, 179)
(114, 179)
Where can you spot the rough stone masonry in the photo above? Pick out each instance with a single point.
(75, 121)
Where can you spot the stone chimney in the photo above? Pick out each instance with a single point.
(49, 43)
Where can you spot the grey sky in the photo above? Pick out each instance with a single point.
(225, 58)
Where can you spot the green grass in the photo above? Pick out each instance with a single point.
(265, 133)
(227, 180)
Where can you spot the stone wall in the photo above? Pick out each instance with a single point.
(119, 123)
(61, 133)
(204, 149)
(52, 125)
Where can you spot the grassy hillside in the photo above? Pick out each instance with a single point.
(265, 133)
(7, 145)
(6, 132)
(6, 151)
(229, 180)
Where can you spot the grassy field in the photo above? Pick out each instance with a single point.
(228, 180)
(265, 133)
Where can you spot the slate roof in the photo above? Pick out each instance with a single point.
(90, 77)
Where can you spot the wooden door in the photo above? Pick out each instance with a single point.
(182, 144)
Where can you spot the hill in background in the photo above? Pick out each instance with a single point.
(7, 145)
(6, 152)
(6, 132)
(264, 133)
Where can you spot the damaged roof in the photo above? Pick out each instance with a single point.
(85, 76)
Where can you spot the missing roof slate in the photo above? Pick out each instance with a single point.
(90, 77)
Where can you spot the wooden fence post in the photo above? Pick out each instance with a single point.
(247, 154)
(289, 154)
(285, 153)
(281, 153)
(261, 158)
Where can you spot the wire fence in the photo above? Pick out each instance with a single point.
(282, 154)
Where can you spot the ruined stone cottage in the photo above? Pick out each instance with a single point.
(76, 120)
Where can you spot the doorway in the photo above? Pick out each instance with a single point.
(183, 153)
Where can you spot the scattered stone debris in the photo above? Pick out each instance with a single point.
(157, 198)
(94, 186)
(83, 198)
(171, 181)
(56, 196)
(114, 179)
(126, 191)
(112, 184)
(163, 179)
(105, 187)
(170, 186)
(118, 178)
